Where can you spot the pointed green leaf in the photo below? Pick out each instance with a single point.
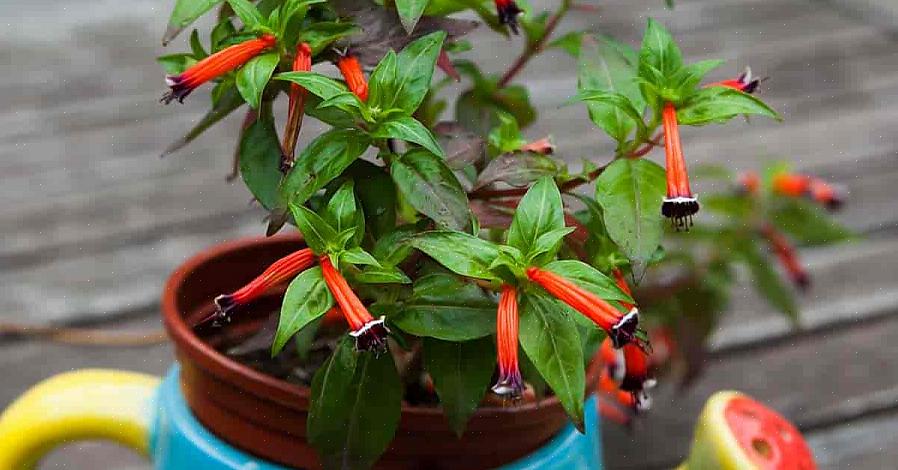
(539, 212)
(608, 66)
(320, 162)
(409, 129)
(357, 255)
(410, 12)
(306, 299)
(630, 193)
(660, 51)
(252, 77)
(550, 339)
(248, 13)
(355, 408)
(719, 104)
(461, 373)
(185, 13)
(341, 212)
(260, 157)
(316, 84)
(432, 189)
(446, 307)
(407, 88)
(461, 253)
(318, 234)
(767, 281)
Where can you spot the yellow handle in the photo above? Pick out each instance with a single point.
(87, 404)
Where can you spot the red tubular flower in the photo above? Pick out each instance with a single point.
(279, 271)
(679, 205)
(621, 328)
(355, 78)
(829, 195)
(749, 182)
(745, 82)
(302, 62)
(622, 283)
(215, 66)
(508, 12)
(510, 383)
(787, 256)
(791, 184)
(369, 334)
(542, 146)
(627, 369)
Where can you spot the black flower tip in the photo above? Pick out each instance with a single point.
(508, 14)
(372, 336)
(626, 329)
(178, 89)
(509, 385)
(680, 210)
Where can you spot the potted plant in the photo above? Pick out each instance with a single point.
(445, 293)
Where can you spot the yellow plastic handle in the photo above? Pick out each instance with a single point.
(87, 404)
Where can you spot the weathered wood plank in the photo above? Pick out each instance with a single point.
(870, 443)
(797, 378)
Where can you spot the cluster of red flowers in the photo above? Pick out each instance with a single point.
(370, 333)
(796, 185)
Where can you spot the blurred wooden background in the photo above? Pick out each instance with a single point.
(93, 221)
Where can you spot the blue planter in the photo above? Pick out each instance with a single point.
(152, 417)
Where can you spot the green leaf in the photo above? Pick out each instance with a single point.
(547, 245)
(551, 341)
(569, 43)
(382, 81)
(608, 66)
(589, 278)
(185, 13)
(316, 84)
(355, 408)
(252, 77)
(630, 193)
(174, 64)
(382, 275)
(461, 253)
(461, 373)
(377, 193)
(719, 104)
(410, 12)
(539, 212)
(229, 101)
(260, 157)
(196, 46)
(659, 51)
(321, 161)
(432, 189)
(247, 13)
(318, 234)
(619, 102)
(767, 281)
(446, 307)
(306, 299)
(394, 247)
(357, 255)
(341, 212)
(807, 222)
(409, 129)
(321, 34)
(506, 137)
(517, 169)
(414, 71)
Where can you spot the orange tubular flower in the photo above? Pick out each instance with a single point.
(749, 182)
(510, 383)
(787, 256)
(622, 283)
(369, 334)
(744, 82)
(215, 66)
(355, 78)
(679, 205)
(508, 12)
(791, 184)
(621, 328)
(831, 196)
(302, 62)
(279, 271)
(626, 375)
(542, 146)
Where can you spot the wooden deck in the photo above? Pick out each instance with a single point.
(93, 221)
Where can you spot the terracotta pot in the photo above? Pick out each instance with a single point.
(267, 417)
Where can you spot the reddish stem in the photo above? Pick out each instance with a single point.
(535, 48)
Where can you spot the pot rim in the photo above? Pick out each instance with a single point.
(266, 386)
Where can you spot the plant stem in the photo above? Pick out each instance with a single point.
(535, 48)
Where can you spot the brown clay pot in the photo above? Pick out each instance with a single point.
(267, 417)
